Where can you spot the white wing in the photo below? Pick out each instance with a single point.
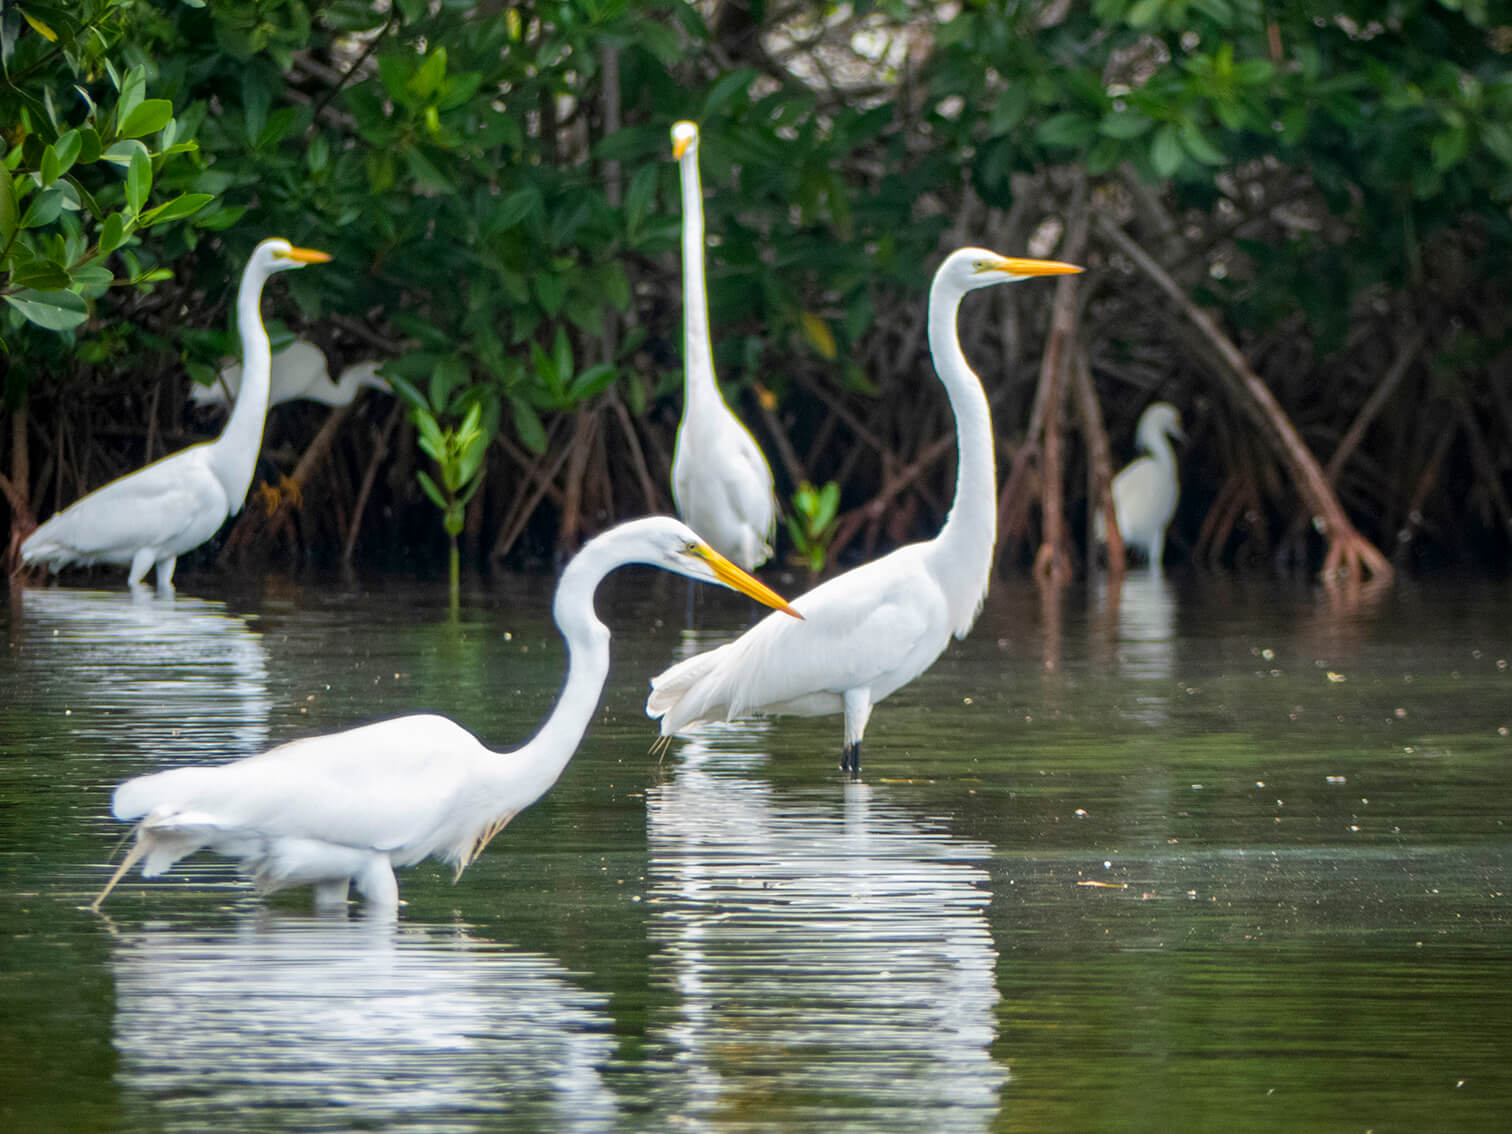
(379, 787)
(875, 627)
(173, 504)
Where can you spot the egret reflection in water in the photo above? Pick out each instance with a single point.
(1142, 610)
(329, 1023)
(169, 677)
(831, 960)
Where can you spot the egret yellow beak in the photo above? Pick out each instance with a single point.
(680, 145)
(1018, 267)
(306, 256)
(737, 580)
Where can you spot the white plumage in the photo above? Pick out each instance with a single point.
(720, 480)
(873, 629)
(1146, 491)
(154, 515)
(299, 371)
(348, 807)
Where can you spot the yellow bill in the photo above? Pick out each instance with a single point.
(738, 580)
(307, 256)
(681, 141)
(1019, 267)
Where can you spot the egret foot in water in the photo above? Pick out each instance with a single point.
(850, 759)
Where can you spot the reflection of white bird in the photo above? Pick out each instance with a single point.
(299, 371)
(146, 680)
(349, 807)
(330, 1024)
(812, 942)
(720, 480)
(156, 514)
(873, 629)
(1145, 492)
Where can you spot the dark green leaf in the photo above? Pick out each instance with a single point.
(430, 488)
(51, 310)
(43, 209)
(185, 204)
(528, 425)
(147, 118)
(1166, 154)
(138, 180)
(9, 220)
(41, 274)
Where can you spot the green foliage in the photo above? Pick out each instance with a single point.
(812, 523)
(85, 152)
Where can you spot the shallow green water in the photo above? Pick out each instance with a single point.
(1224, 855)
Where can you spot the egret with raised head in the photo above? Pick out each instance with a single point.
(875, 628)
(152, 516)
(720, 481)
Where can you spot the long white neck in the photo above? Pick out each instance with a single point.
(698, 353)
(963, 549)
(234, 453)
(536, 766)
(1158, 445)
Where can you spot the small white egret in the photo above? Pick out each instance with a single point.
(154, 515)
(299, 371)
(1146, 491)
(329, 811)
(720, 480)
(873, 629)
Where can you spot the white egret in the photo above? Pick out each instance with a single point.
(154, 515)
(328, 811)
(1146, 491)
(720, 481)
(299, 371)
(875, 628)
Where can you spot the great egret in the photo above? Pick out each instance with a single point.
(1146, 491)
(154, 515)
(873, 629)
(299, 371)
(348, 807)
(720, 480)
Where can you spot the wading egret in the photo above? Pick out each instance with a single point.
(299, 371)
(875, 628)
(1145, 492)
(348, 807)
(720, 480)
(154, 515)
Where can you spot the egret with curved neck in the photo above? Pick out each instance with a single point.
(345, 808)
(873, 629)
(150, 517)
(720, 481)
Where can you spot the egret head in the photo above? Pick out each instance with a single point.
(684, 139)
(1159, 419)
(278, 255)
(661, 541)
(971, 268)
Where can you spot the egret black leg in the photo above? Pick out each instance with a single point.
(850, 759)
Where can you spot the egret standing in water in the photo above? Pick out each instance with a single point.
(154, 515)
(1145, 492)
(873, 629)
(720, 481)
(348, 807)
(299, 372)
